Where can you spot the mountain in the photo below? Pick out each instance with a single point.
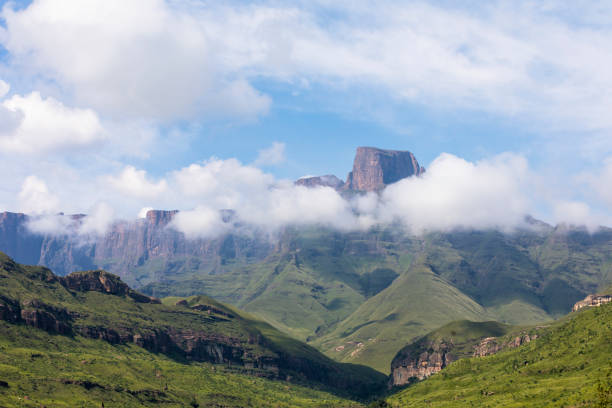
(340, 289)
(375, 168)
(357, 296)
(96, 310)
(567, 364)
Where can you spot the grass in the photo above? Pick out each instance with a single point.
(60, 371)
(255, 347)
(562, 368)
(327, 287)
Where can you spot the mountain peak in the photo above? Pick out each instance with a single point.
(375, 168)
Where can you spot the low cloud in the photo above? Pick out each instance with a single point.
(454, 193)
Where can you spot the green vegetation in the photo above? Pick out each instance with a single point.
(59, 321)
(61, 371)
(416, 304)
(460, 337)
(567, 366)
(383, 289)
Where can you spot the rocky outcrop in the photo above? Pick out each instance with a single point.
(104, 282)
(374, 168)
(411, 367)
(592, 301)
(328, 180)
(492, 345)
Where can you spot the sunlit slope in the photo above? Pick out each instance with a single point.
(563, 367)
(82, 307)
(416, 303)
(39, 369)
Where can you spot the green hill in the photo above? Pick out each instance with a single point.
(383, 288)
(568, 365)
(64, 337)
(417, 302)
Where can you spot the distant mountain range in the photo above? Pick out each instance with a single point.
(357, 296)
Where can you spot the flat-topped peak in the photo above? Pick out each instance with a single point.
(374, 168)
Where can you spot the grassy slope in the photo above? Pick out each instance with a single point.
(61, 371)
(415, 304)
(94, 309)
(313, 290)
(462, 334)
(561, 368)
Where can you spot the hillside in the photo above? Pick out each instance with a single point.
(436, 350)
(86, 312)
(331, 288)
(569, 364)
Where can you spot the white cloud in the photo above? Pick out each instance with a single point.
(578, 213)
(35, 197)
(272, 155)
(134, 183)
(99, 218)
(4, 88)
(600, 181)
(44, 124)
(141, 58)
(543, 64)
(455, 193)
(50, 224)
(201, 222)
(143, 212)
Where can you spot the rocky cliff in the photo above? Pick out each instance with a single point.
(127, 246)
(492, 345)
(375, 168)
(328, 180)
(433, 352)
(592, 301)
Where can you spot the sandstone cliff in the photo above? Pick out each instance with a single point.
(433, 352)
(375, 168)
(592, 301)
(130, 245)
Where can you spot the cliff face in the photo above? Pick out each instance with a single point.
(421, 365)
(592, 301)
(492, 345)
(433, 352)
(375, 168)
(129, 245)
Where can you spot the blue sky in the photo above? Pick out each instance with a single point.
(104, 99)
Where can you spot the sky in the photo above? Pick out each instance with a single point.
(108, 107)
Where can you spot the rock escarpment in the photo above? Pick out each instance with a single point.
(374, 168)
(412, 366)
(128, 245)
(492, 345)
(592, 301)
(433, 352)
